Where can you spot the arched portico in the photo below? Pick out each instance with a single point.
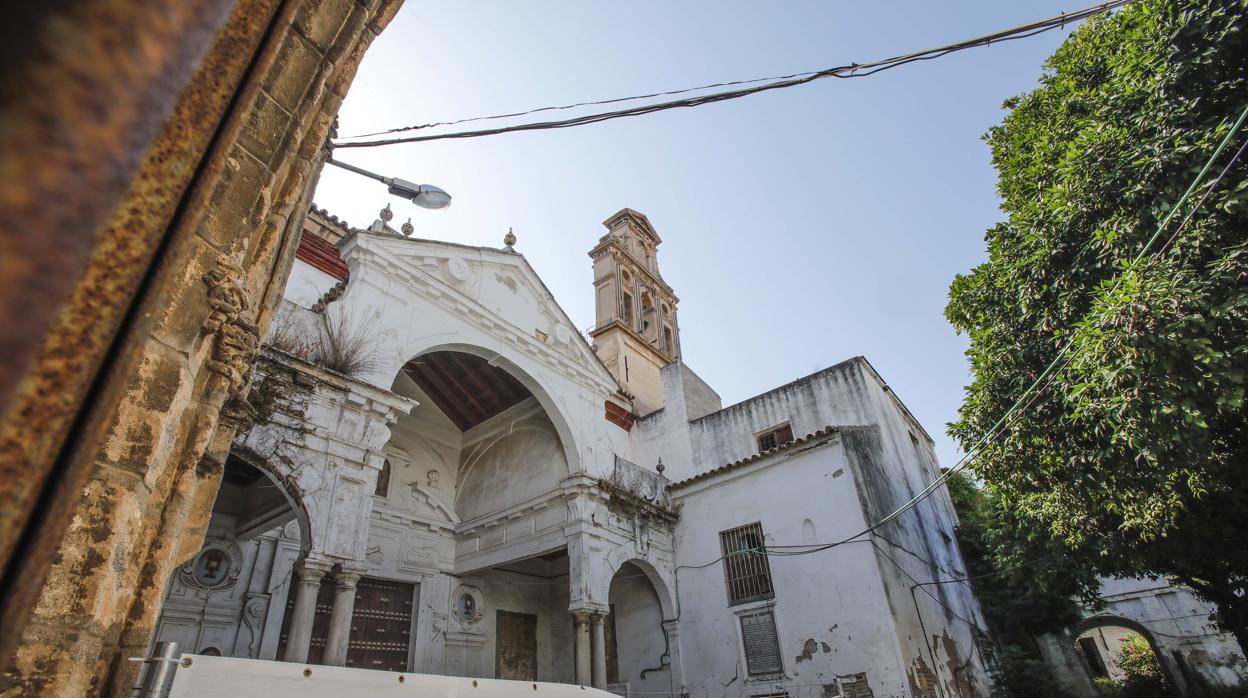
(256, 535)
(524, 370)
(1174, 678)
(638, 635)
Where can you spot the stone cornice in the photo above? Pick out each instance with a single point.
(359, 394)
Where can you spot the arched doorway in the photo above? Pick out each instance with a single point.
(638, 653)
(228, 599)
(1120, 652)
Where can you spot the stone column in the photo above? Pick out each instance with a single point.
(339, 635)
(299, 639)
(598, 621)
(581, 619)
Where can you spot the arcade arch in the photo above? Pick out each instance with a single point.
(230, 597)
(485, 435)
(1101, 639)
(638, 651)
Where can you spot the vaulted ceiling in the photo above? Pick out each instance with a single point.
(465, 387)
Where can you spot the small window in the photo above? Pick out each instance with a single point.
(383, 479)
(668, 345)
(746, 569)
(762, 645)
(777, 436)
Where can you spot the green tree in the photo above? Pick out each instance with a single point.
(1136, 456)
(1026, 582)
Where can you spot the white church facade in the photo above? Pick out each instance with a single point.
(443, 475)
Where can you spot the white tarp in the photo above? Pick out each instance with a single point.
(226, 677)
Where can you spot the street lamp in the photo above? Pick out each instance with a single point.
(423, 195)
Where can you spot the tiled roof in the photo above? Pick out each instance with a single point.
(321, 255)
(814, 436)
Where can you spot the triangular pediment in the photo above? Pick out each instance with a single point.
(499, 282)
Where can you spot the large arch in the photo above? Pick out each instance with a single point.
(531, 380)
(1178, 687)
(638, 646)
(623, 556)
(283, 480)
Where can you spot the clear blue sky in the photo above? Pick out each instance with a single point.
(801, 227)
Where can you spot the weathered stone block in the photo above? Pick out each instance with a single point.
(233, 216)
(320, 21)
(266, 128)
(94, 575)
(296, 66)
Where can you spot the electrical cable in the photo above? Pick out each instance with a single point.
(853, 70)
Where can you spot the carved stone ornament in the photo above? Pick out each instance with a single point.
(467, 605)
(374, 556)
(216, 567)
(457, 271)
(237, 339)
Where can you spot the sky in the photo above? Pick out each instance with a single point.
(800, 227)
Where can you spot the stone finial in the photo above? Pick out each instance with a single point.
(660, 467)
(386, 214)
(408, 228)
(509, 240)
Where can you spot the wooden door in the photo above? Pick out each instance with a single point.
(515, 654)
(381, 626)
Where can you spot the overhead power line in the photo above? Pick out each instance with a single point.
(853, 70)
(1046, 378)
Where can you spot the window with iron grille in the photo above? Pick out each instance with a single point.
(762, 646)
(746, 570)
(772, 438)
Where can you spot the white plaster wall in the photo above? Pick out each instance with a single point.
(515, 461)
(834, 599)
(307, 284)
(545, 599)
(893, 459)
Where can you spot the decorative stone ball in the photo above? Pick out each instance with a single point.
(386, 214)
(510, 238)
(408, 228)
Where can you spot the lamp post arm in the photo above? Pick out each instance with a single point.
(359, 171)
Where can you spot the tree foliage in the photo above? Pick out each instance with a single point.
(1027, 585)
(1136, 457)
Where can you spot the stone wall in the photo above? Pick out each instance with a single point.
(151, 444)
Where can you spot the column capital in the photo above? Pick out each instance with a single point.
(312, 570)
(348, 574)
(588, 609)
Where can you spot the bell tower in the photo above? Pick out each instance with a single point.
(636, 333)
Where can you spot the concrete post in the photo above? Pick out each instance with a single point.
(309, 573)
(338, 638)
(597, 621)
(581, 619)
